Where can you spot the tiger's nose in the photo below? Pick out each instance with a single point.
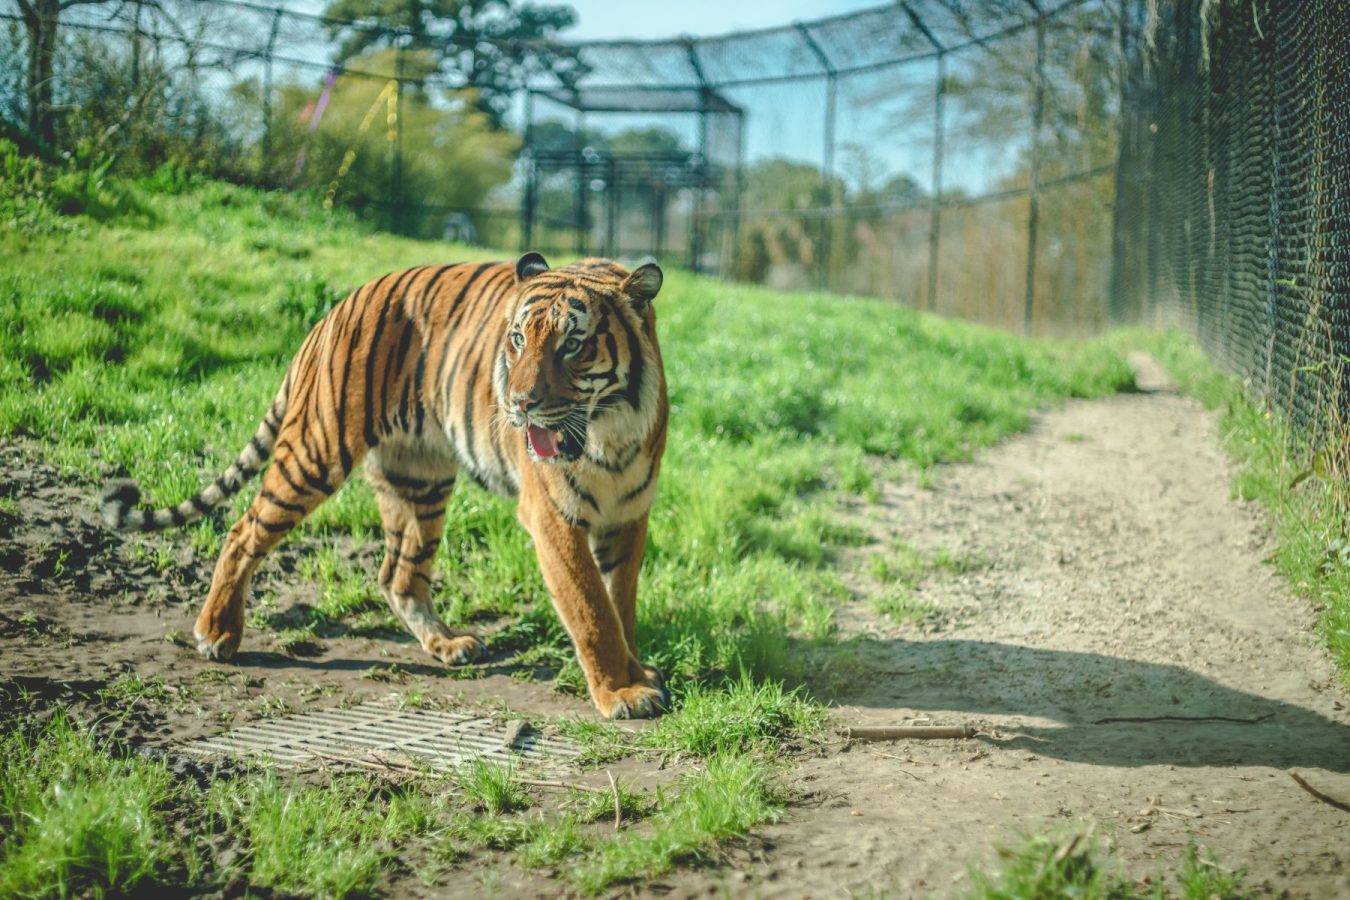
(526, 402)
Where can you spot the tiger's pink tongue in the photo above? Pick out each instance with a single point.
(543, 442)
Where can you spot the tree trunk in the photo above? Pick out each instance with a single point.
(40, 18)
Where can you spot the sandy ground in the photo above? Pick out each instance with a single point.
(1117, 580)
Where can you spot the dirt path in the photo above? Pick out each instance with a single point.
(1115, 579)
(1119, 580)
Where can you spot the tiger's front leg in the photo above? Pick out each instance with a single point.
(619, 685)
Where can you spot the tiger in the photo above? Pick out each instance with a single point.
(539, 383)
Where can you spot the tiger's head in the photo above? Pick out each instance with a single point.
(578, 365)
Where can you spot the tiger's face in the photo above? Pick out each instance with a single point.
(573, 351)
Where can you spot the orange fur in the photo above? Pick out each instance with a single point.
(543, 383)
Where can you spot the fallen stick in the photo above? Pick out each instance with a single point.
(903, 732)
(565, 785)
(1330, 801)
(1182, 719)
(376, 765)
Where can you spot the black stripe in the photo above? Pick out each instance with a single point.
(450, 315)
(277, 527)
(340, 401)
(635, 365)
(199, 504)
(423, 555)
(651, 472)
(314, 481)
(419, 375)
(607, 567)
(278, 502)
(408, 481)
(565, 517)
(437, 513)
(580, 491)
(372, 356)
(258, 448)
(468, 410)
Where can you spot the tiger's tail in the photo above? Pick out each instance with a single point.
(120, 499)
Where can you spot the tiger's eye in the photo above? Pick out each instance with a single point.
(517, 340)
(571, 345)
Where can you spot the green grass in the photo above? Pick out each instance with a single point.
(148, 342)
(1303, 488)
(73, 820)
(151, 350)
(1075, 867)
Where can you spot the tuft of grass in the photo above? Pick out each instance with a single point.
(74, 820)
(491, 787)
(898, 603)
(728, 797)
(335, 840)
(1075, 867)
(739, 717)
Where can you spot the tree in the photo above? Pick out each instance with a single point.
(491, 44)
(41, 20)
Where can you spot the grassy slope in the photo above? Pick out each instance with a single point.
(158, 348)
(151, 345)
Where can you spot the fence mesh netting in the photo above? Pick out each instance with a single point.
(1042, 166)
(1234, 192)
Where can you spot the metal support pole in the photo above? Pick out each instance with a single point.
(579, 204)
(527, 199)
(827, 154)
(740, 182)
(267, 90)
(700, 181)
(611, 209)
(935, 213)
(396, 171)
(136, 50)
(1034, 195)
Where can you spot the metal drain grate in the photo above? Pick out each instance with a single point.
(375, 735)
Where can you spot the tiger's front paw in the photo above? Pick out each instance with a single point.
(217, 645)
(218, 633)
(638, 701)
(455, 650)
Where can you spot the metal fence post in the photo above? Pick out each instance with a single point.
(527, 197)
(1033, 194)
(935, 222)
(396, 171)
(267, 89)
(827, 154)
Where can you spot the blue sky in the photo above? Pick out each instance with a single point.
(607, 19)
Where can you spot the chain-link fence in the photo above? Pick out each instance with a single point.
(1234, 186)
(956, 157)
(1043, 167)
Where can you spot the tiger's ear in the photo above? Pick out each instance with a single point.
(530, 265)
(643, 285)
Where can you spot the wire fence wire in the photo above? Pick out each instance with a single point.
(1045, 167)
(1233, 218)
(956, 157)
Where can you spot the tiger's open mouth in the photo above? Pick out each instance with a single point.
(548, 445)
(543, 442)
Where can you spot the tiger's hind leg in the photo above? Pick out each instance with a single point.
(412, 492)
(292, 487)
